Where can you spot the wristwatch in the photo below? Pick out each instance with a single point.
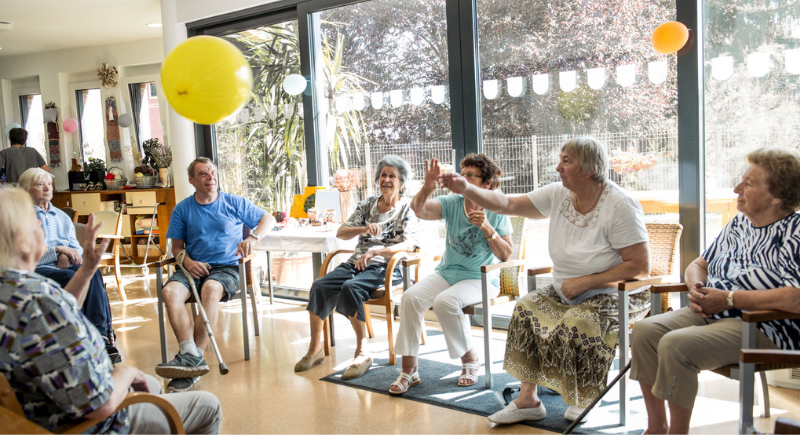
(254, 235)
(492, 237)
(730, 299)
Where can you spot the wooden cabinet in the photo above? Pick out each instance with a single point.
(88, 202)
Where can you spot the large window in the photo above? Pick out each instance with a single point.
(90, 121)
(146, 112)
(553, 70)
(260, 150)
(752, 92)
(30, 107)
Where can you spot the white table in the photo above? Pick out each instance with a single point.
(319, 240)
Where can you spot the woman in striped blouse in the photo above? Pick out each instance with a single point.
(754, 264)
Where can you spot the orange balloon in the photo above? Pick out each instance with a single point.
(669, 37)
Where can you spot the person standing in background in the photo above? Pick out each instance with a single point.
(19, 158)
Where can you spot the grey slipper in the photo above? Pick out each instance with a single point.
(307, 362)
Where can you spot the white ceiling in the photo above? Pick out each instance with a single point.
(48, 25)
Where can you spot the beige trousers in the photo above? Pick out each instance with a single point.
(200, 412)
(670, 350)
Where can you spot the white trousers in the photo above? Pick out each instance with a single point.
(447, 302)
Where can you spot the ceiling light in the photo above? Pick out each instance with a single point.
(155, 25)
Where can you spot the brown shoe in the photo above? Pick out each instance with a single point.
(357, 370)
(307, 362)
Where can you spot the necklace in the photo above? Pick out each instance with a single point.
(577, 208)
(464, 206)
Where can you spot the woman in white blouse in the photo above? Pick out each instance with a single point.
(563, 336)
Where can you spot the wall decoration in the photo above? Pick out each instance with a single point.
(112, 130)
(53, 147)
(108, 75)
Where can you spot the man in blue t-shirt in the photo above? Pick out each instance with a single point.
(208, 225)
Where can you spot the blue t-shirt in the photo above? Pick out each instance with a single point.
(212, 232)
(467, 249)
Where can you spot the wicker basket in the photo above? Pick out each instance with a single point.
(118, 182)
(145, 181)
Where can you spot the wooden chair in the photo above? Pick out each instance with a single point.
(246, 280)
(786, 426)
(13, 421)
(745, 373)
(73, 214)
(112, 229)
(383, 296)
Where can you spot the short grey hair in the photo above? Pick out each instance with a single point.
(15, 219)
(403, 168)
(33, 175)
(591, 154)
(194, 163)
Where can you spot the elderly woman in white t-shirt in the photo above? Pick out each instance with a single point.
(563, 336)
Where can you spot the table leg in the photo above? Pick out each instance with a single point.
(269, 276)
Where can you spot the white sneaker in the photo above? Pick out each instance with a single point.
(512, 414)
(573, 412)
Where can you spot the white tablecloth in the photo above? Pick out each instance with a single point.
(319, 239)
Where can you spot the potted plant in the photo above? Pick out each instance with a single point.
(162, 158)
(96, 169)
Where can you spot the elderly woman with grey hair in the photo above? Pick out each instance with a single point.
(384, 225)
(563, 336)
(64, 254)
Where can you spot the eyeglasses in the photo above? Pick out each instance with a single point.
(470, 176)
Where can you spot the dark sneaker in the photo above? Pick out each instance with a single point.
(184, 365)
(181, 385)
(113, 354)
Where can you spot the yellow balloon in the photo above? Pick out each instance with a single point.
(206, 79)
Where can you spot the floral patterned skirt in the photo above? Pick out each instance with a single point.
(568, 349)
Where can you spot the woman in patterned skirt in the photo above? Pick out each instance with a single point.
(753, 264)
(563, 336)
(384, 225)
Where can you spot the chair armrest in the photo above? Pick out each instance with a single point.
(669, 288)
(173, 418)
(635, 284)
(323, 269)
(109, 236)
(162, 263)
(756, 356)
(767, 315)
(396, 258)
(503, 265)
(412, 261)
(247, 258)
(539, 271)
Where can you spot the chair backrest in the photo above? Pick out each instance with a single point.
(112, 222)
(510, 276)
(664, 239)
(73, 214)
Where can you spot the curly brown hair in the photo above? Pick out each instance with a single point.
(783, 167)
(490, 172)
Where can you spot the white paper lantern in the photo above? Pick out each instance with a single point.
(396, 98)
(417, 95)
(490, 89)
(657, 71)
(626, 75)
(437, 94)
(722, 67)
(272, 112)
(359, 102)
(377, 100)
(288, 110)
(757, 64)
(792, 59)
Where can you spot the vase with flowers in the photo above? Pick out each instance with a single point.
(345, 181)
(161, 156)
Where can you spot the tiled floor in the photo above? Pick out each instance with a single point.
(265, 395)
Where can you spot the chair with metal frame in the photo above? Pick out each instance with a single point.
(13, 420)
(745, 373)
(246, 279)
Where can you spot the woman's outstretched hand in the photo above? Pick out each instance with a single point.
(93, 253)
(432, 173)
(454, 182)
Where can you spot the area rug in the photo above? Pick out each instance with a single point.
(439, 375)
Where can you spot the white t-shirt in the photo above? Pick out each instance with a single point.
(581, 245)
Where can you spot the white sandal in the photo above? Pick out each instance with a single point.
(473, 377)
(412, 379)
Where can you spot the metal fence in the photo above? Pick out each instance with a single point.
(530, 162)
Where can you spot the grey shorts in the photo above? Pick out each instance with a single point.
(228, 276)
